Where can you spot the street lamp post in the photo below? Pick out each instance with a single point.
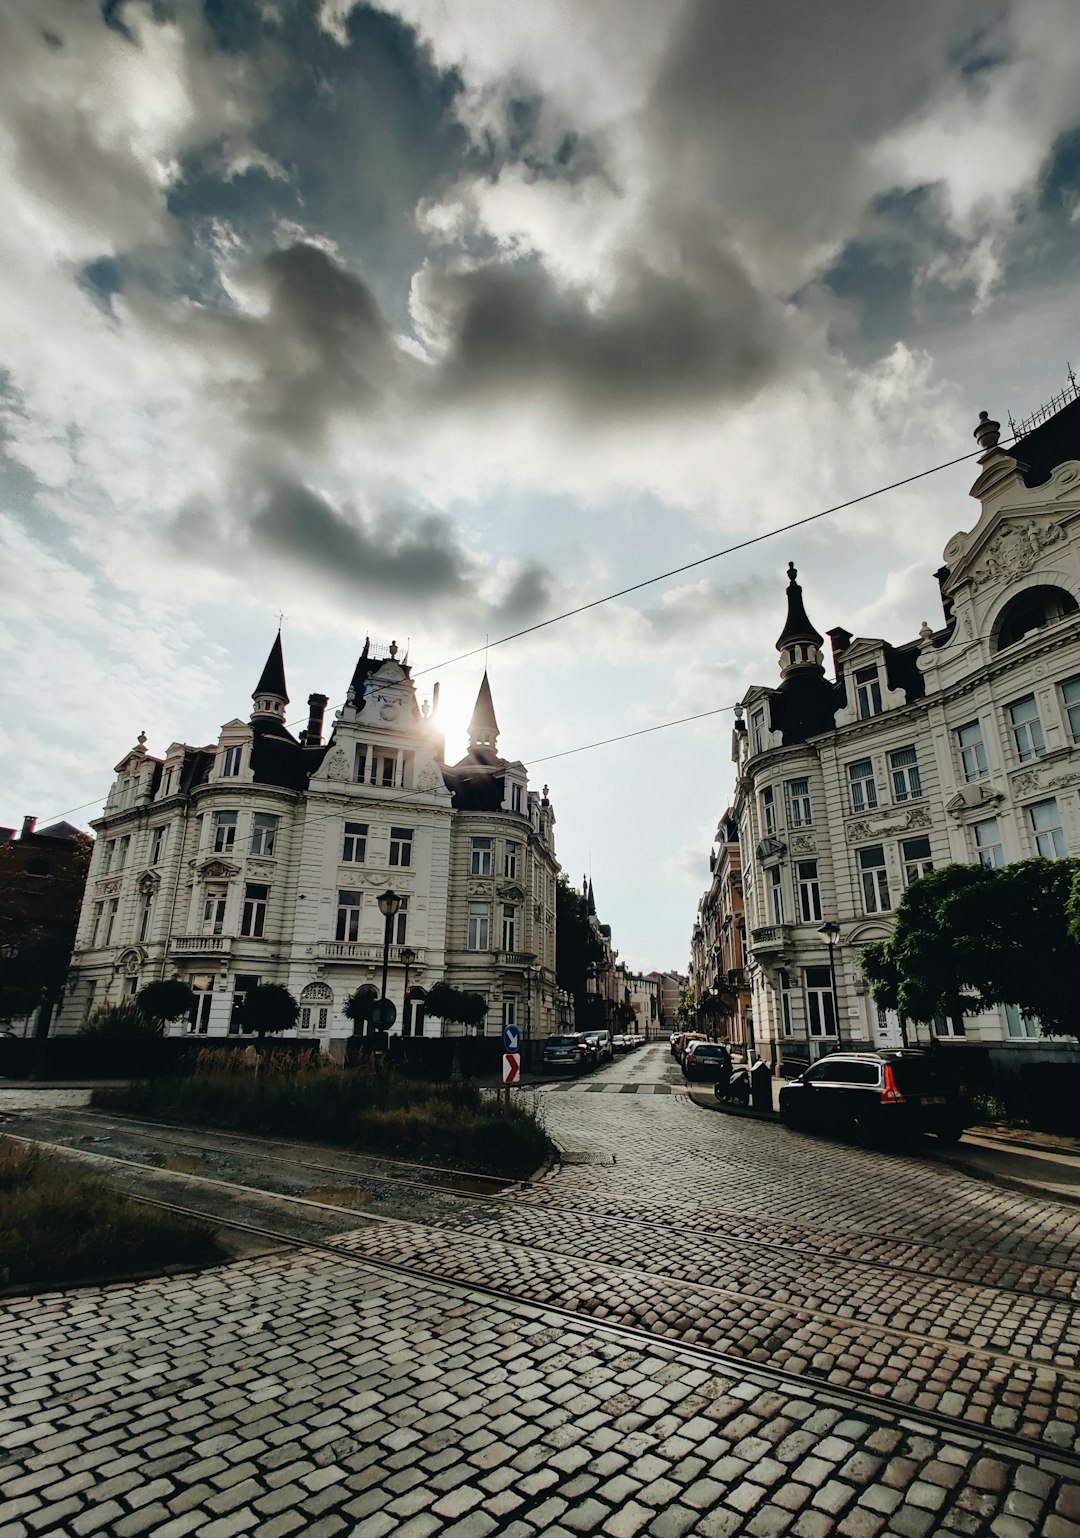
(389, 903)
(408, 956)
(830, 933)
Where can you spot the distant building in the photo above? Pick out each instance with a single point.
(722, 997)
(670, 987)
(42, 874)
(260, 858)
(962, 744)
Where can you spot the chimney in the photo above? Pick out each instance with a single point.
(312, 734)
(28, 826)
(841, 640)
(435, 700)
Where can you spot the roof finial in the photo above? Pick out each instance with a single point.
(987, 433)
(393, 648)
(791, 571)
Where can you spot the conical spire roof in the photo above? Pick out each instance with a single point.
(272, 679)
(483, 728)
(590, 900)
(797, 626)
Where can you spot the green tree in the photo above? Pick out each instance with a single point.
(38, 920)
(359, 1005)
(686, 1010)
(269, 1009)
(169, 999)
(456, 1005)
(120, 1022)
(968, 937)
(578, 949)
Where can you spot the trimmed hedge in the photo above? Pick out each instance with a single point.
(137, 1057)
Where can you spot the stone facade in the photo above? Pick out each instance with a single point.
(260, 858)
(961, 745)
(718, 945)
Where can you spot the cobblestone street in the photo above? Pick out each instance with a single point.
(694, 1324)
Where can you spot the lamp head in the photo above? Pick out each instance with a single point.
(389, 903)
(829, 933)
(407, 954)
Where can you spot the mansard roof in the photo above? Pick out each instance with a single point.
(797, 626)
(477, 783)
(1054, 441)
(272, 678)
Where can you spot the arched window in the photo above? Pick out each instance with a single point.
(1032, 610)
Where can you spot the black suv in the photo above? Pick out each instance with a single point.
(875, 1095)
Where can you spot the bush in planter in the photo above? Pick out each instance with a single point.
(165, 1001)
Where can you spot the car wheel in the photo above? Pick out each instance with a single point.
(950, 1134)
(862, 1127)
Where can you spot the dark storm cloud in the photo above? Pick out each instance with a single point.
(706, 603)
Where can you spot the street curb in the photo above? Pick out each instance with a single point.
(1011, 1182)
(746, 1113)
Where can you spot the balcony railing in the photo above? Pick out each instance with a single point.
(517, 958)
(359, 950)
(201, 945)
(772, 937)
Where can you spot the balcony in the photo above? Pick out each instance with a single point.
(201, 945)
(363, 951)
(770, 940)
(517, 958)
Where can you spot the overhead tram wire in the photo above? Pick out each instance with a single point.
(637, 587)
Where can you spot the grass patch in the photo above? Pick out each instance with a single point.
(58, 1226)
(377, 1111)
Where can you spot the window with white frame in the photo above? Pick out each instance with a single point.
(785, 1002)
(483, 853)
(108, 849)
(969, 740)
(88, 1002)
(95, 930)
(401, 842)
(399, 924)
(224, 831)
(875, 879)
(264, 826)
(509, 927)
(988, 846)
(1045, 822)
(349, 905)
(167, 782)
(809, 891)
(948, 1025)
(354, 843)
(1070, 698)
(230, 762)
(214, 902)
(800, 810)
(757, 731)
(776, 894)
(110, 919)
(1027, 729)
(241, 988)
(867, 692)
(253, 918)
(904, 772)
(202, 986)
(915, 854)
(509, 1009)
(517, 798)
(157, 845)
(146, 910)
(479, 931)
(861, 785)
(375, 767)
(1018, 1024)
(510, 862)
(122, 846)
(768, 809)
(820, 1002)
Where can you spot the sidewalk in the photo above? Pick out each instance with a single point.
(1042, 1164)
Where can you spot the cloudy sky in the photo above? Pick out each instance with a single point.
(428, 319)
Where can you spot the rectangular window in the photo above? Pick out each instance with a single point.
(122, 847)
(776, 894)
(768, 809)
(214, 910)
(324, 1018)
(868, 692)
(264, 826)
(230, 762)
(1070, 696)
(88, 1006)
(157, 845)
(820, 1003)
(167, 782)
(510, 862)
(224, 831)
(904, 769)
(110, 918)
(400, 924)
(354, 845)
(972, 751)
(241, 988)
(509, 1010)
(348, 915)
(988, 843)
(862, 787)
(376, 768)
(509, 927)
(305, 1017)
(1018, 1024)
(785, 1002)
(482, 856)
(253, 919)
(517, 796)
(875, 880)
(915, 853)
(800, 811)
(757, 731)
(401, 846)
(145, 914)
(99, 909)
(107, 851)
(1045, 820)
(945, 1025)
(809, 891)
(479, 927)
(1027, 729)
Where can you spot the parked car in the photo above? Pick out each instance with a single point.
(876, 1095)
(571, 1052)
(706, 1060)
(621, 1043)
(599, 1045)
(685, 1039)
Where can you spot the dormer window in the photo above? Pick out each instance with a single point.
(516, 798)
(230, 762)
(868, 692)
(757, 731)
(1032, 610)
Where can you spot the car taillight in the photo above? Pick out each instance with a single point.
(890, 1095)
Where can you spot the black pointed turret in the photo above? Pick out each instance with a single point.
(797, 627)
(483, 728)
(272, 680)
(590, 901)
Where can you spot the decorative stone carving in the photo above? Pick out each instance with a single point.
(149, 883)
(130, 962)
(511, 893)
(337, 766)
(770, 851)
(317, 993)
(864, 828)
(429, 778)
(1029, 780)
(803, 843)
(261, 867)
(479, 888)
(217, 869)
(109, 888)
(1013, 551)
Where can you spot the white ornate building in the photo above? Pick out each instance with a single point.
(960, 745)
(259, 858)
